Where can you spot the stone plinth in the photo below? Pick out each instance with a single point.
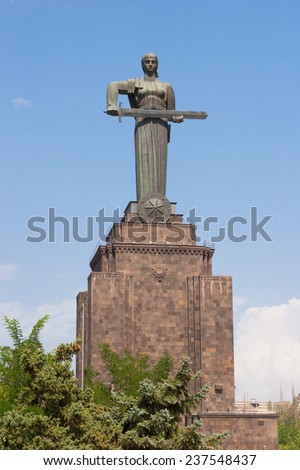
(151, 290)
(247, 430)
(159, 295)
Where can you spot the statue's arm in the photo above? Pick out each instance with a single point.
(171, 103)
(112, 93)
(170, 97)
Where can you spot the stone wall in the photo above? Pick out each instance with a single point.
(247, 430)
(158, 298)
(153, 296)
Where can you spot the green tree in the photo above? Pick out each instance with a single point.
(149, 404)
(289, 425)
(42, 406)
(151, 419)
(126, 371)
(13, 377)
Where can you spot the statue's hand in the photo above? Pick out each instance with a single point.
(178, 119)
(112, 110)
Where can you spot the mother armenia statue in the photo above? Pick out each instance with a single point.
(151, 135)
(154, 105)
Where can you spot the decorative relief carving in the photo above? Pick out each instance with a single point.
(107, 275)
(159, 272)
(216, 278)
(183, 250)
(154, 207)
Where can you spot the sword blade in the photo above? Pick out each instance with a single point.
(160, 113)
(168, 114)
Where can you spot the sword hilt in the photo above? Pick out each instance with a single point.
(120, 112)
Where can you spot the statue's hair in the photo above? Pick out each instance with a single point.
(150, 54)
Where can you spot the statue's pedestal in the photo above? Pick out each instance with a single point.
(151, 290)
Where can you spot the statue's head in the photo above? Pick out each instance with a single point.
(150, 63)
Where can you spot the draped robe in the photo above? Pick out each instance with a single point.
(151, 136)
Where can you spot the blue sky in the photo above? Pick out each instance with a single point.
(239, 61)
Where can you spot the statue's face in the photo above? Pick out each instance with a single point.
(150, 64)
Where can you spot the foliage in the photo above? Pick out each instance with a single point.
(41, 404)
(126, 372)
(42, 407)
(13, 379)
(289, 425)
(151, 419)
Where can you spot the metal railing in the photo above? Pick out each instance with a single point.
(257, 406)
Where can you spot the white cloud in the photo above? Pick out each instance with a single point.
(238, 301)
(60, 327)
(7, 271)
(21, 103)
(267, 352)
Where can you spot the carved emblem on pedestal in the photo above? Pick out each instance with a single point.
(159, 272)
(154, 208)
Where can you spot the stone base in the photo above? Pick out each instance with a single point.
(159, 295)
(151, 290)
(252, 431)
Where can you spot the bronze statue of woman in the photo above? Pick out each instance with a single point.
(151, 134)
